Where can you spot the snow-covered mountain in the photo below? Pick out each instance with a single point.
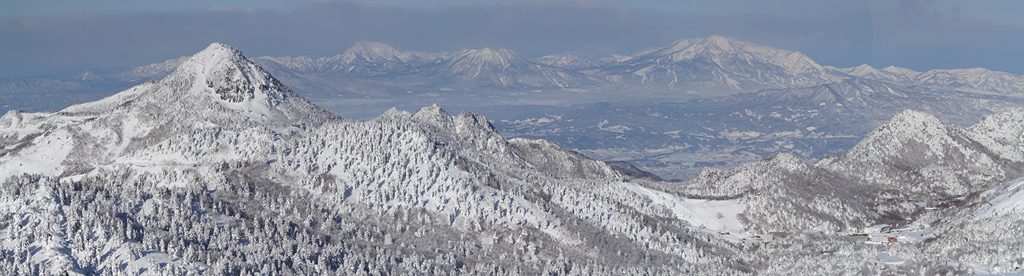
(502, 68)
(722, 66)
(853, 93)
(974, 80)
(931, 160)
(954, 185)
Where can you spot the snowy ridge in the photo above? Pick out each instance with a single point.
(852, 93)
(891, 73)
(973, 80)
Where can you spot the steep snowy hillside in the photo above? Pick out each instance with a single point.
(917, 154)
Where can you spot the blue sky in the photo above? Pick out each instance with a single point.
(54, 37)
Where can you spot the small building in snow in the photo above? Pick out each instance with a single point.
(765, 238)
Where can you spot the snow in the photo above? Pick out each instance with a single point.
(45, 158)
(707, 215)
(1008, 200)
(616, 128)
(163, 260)
(885, 258)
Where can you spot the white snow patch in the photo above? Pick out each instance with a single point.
(746, 135)
(890, 259)
(161, 260)
(44, 156)
(1009, 200)
(708, 215)
(615, 128)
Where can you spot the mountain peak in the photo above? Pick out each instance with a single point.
(695, 45)
(719, 42)
(901, 70)
(370, 45)
(213, 82)
(489, 55)
(370, 52)
(224, 69)
(912, 117)
(213, 55)
(720, 64)
(863, 70)
(433, 115)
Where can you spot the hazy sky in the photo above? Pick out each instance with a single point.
(53, 37)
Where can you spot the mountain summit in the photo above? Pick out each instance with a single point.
(723, 65)
(218, 83)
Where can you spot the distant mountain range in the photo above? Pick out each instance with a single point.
(704, 66)
(713, 101)
(707, 66)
